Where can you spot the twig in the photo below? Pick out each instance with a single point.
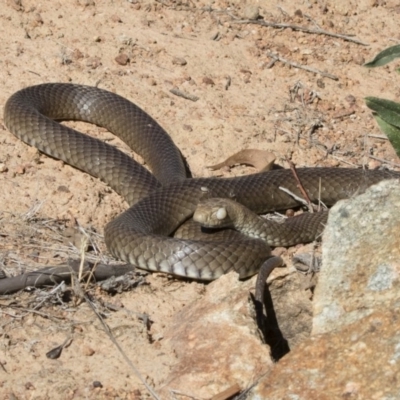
(82, 293)
(320, 202)
(52, 275)
(228, 393)
(343, 114)
(83, 244)
(270, 64)
(378, 137)
(174, 392)
(343, 160)
(301, 29)
(318, 31)
(291, 194)
(301, 187)
(116, 344)
(3, 367)
(32, 311)
(384, 161)
(296, 65)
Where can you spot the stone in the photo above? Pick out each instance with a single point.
(354, 349)
(360, 258)
(251, 12)
(216, 339)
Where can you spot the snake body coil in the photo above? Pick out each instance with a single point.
(161, 202)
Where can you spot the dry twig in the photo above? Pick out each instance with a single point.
(117, 345)
(384, 161)
(228, 393)
(60, 273)
(301, 29)
(310, 205)
(296, 65)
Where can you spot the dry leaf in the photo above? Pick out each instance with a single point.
(262, 160)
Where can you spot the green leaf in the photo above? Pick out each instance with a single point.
(392, 132)
(388, 110)
(384, 57)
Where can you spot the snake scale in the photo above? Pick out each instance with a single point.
(160, 201)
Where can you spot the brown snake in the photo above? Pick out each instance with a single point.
(161, 202)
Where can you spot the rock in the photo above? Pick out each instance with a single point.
(360, 258)
(179, 61)
(354, 350)
(93, 62)
(122, 59)
(360, 361)
(87, 351)
(208, 81)
(217, 342)
(251, 12)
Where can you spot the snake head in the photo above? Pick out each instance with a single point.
(214, 213)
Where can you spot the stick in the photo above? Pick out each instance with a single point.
(384, 161)
(291, 194)
(301, 29)
(121, 351)
(301, 187)
(296, 65)
(52, 275)
(228, 393)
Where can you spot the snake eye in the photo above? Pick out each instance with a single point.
(221, 213)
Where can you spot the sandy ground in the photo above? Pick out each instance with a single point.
(142, 50)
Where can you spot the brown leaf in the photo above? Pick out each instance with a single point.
(262, 160)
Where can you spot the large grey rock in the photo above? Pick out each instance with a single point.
(361, 258)
(354, 350)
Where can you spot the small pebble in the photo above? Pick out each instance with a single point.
(208, 81)
(93, 62)
(29, 386)
(374, 164)
(38, 19)
(298, 13)
(20, 170)
(358, 59)
(179, 61)
(87, 351)
(115, 18)
(122, 59)
(289, 212)
(251, 12)
(350, 99)
(63, 188)
(76, 54)
(125, 40)
(86, 3)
